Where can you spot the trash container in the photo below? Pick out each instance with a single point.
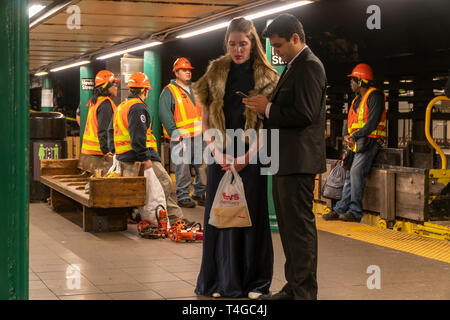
(47, 133)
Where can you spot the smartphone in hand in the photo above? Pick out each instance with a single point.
(242, 95)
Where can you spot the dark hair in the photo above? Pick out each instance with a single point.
(136, 91)
(100, 92)
(285, 25)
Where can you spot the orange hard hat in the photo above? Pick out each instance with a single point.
(104, 77)
(362, 71)
(182, 63)
(139, 80)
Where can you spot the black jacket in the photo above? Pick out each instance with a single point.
(104, 116)
(298, 111)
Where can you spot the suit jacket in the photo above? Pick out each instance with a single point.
(298, 111)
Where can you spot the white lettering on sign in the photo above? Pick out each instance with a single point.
(276, 60)
(87, 84)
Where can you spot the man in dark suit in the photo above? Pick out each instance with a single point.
(297, 110)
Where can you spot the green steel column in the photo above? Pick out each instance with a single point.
(152, 68)
(275, 62)
(47, 94)
(14, 143)
(86, 73)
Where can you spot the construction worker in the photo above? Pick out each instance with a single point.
(101, 110)
(134, 140)
(180, 116)
(366, 127)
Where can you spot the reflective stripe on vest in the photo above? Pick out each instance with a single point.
(91, 144)
(357, 120)
(122, 138)
(187, 115)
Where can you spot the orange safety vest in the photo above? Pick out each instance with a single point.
(357, 119)
(122, 139)
(187, 115)
(91, 144)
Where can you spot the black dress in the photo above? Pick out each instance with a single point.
(237, 261)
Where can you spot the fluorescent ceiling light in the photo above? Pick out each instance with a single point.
(277, 9)
(205, 30)
(34, 9)
(249, 17)
(132, 49)
(49, 13)
(76, 64)
(43, 73)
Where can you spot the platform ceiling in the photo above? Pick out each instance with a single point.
(106, 23)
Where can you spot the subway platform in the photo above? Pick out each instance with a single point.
(355, 262)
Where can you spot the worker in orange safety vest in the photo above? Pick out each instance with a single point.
(366, 127)
(180, 116)
(101, 110)
(134, 141)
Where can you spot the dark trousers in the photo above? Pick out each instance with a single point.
(293, 198)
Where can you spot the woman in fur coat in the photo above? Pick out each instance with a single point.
(236, 262)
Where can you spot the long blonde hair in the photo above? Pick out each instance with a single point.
(240, 24)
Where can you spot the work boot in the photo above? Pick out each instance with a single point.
(331, 216)
(186, 203)
(200, 200)
(349, 217)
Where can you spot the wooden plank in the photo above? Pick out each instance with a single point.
(91, 163)
(74, 179)
(77, 147)
(135, 169)
(118, 192)
(50, 167)
(78, 196)
(60, 202)
(64, 176)
(388, 205)
(69, 141)
(103, 163)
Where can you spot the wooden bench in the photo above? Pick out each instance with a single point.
(106, 201)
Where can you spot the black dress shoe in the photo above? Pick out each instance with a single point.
(282, 295)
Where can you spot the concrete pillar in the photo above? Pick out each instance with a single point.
(86, 90)
(152, 68)
(47, 94)
(14, 146)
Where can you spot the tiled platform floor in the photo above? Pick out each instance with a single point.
(121, 265)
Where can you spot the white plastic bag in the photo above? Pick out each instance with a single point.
(155, 197)
(115, 170)
(229, 209)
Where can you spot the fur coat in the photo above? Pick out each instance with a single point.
(210, 89)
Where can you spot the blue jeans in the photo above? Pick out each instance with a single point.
(192, 154)
(355, 183)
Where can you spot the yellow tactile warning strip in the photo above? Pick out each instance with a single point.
(421, 246)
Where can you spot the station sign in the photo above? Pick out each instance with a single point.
(87, 84)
